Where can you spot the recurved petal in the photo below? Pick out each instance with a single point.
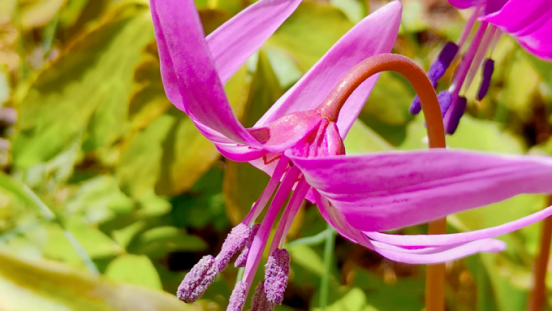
(189, 76)
(417, 255)
(439, 255)
(459, 238)
(393, 190)
(373, 35)
(233, 42)
(530, 22)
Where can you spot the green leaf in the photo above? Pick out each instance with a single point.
(307, 258)
(157, 242)
(243, 183)
(42, 285)
(134, 269)
(89, 85)
(310, 31)
(361, 140)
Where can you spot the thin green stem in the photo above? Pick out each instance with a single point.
(311, 240)
(328, 262)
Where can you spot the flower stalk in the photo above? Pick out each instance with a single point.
(538, 290)
(435, 277)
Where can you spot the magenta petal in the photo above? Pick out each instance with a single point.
(189, 76)
(422, 255)
(393, 190)
(373, 35)
(442, 255)
(459, 238)
(530, 22)
(464, 4)
(233, 42)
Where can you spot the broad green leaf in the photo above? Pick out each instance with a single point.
(310, 31)
(157, 242)
(361, 140)
(354, 9)
(42, 285)
(134, 269)
(89, 85)
(307, 258)
(243, 183)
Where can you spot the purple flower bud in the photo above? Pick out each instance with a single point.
(457, 112)
(416, 105)
(259, 301)
(443, 61)
(238, 297)
(195, 283)
(276, 276)
(234, 242)
(242, 258)
(488, 69)
(445, 99)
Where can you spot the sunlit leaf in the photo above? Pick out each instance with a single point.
(89, 85)
(33, 285)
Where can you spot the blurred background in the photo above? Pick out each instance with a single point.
(102, 176)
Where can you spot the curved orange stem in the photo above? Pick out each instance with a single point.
(435, 277)
(538, 290)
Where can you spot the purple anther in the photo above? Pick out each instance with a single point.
(276, 276)
(234, 242)
(443, 61)
(259, 301)
(242, 258)
(445, 99)
(238, 297)
(195, 283)
(457, 112)
(488, 68)
(416, 105)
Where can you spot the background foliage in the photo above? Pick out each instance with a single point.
(109, 194)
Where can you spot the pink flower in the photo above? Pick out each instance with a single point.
(528, 22)
(299, 143)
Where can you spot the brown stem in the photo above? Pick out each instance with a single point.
(538, 290)
(435, 277)
(390, 62)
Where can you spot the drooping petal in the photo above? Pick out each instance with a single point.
(421, 255)
(464, 4)
(373, 35)
(392, 190)
(530, 22)
(233, 42)
(442, 255)
(459, 238)
(189, 76)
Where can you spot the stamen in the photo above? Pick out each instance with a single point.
(463, 68)
(468, 26)
(260, 240)
(445, 99)
(488, 69)
(238, 297)
(457, 112)
(242, 258)
(443, 61)
(195, 283)
(480, 54)
(259, 301)
(267, 193)
(276, 276)
(234, 242)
